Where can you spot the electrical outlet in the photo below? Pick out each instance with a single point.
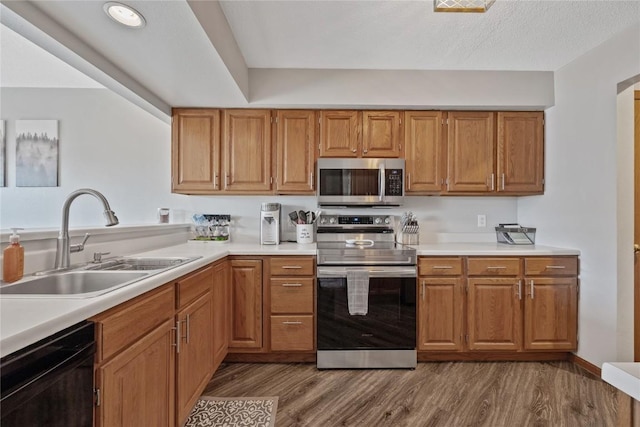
(482, 220)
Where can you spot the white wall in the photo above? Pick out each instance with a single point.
(111, 145)
(579, 208)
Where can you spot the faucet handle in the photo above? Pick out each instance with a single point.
(97, 256)
(80, 246)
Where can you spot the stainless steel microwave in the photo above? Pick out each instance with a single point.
(360, 182)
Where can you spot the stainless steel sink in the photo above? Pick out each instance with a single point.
(139, 263)
(92, 279)
(82, 284)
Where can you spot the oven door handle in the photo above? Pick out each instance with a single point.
(334, 272)
(382, 178)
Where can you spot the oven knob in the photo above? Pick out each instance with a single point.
(378, 220)
(332, 220)
(387, 220)
(323, 220)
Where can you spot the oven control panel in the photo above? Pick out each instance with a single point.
(379, 220)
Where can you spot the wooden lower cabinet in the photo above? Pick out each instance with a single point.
(494, 313)
(290, 304)
(551, 313)
(137, 386)
(194, 353)
(499, 305)
(441, 314)
(156, 353)
(246, 305)
(221, 312)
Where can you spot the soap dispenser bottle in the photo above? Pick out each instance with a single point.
(13, 259)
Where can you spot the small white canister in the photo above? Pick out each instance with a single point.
(304, 233)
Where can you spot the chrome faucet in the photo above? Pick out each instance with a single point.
(64, 250)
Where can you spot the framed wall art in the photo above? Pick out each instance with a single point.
(37, 153)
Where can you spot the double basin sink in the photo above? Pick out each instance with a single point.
(92, 279)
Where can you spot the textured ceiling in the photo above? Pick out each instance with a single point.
(399, 35)
(199, 52)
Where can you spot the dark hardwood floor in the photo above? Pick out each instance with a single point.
(447, 394)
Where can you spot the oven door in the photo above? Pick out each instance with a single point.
(390, 322)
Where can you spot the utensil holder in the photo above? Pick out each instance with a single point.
(304, 233)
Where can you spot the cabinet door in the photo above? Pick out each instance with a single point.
(339, 133)
(494, 314)
(137, 386)
(247, 150)
(440, 314)
(551, 314)
(470, 152)
(195, 361)
(295, 151)
(195, 151)
(423, 151)
(221, 312)
(381, 134)
(246, 304)
(520, 158)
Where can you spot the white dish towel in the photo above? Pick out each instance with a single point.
(358, 292)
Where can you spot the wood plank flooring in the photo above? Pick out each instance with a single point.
(447, 394)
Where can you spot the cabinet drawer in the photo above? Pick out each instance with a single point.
(292, 333)
(551, 266)
(125, 324)
(292, 295)
(493, 266)
(440, 266)
(292, 266)
(194, 285)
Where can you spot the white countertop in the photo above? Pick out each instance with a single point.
(624, 376)
(490, 249)
(24, 321)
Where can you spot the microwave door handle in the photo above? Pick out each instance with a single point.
(382, 174)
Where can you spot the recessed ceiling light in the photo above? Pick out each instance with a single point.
(124, 14)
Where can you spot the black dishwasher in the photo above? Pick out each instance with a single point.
(50, 383)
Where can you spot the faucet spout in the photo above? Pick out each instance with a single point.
(63, 250)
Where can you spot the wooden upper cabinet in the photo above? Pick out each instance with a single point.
(246, 142)
(423, 151)
(470, 151)
(520, 156)
(195, 151)
(381, 133)
(339, 133)
(295, 151)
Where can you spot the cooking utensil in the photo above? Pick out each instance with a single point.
(293, 216)
(302, 217)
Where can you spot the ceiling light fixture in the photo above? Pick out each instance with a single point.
(125, 15)
(477, 6)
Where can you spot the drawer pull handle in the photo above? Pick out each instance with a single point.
(291, 267)
(496, 267)
(292, 285)
(442, 267)
(556, 267)
(519, 289)
(291, 323)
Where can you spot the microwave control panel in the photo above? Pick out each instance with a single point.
(394, 182)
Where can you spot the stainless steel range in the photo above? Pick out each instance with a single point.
(366, 294)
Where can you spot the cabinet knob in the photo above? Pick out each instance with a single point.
(354, 150)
